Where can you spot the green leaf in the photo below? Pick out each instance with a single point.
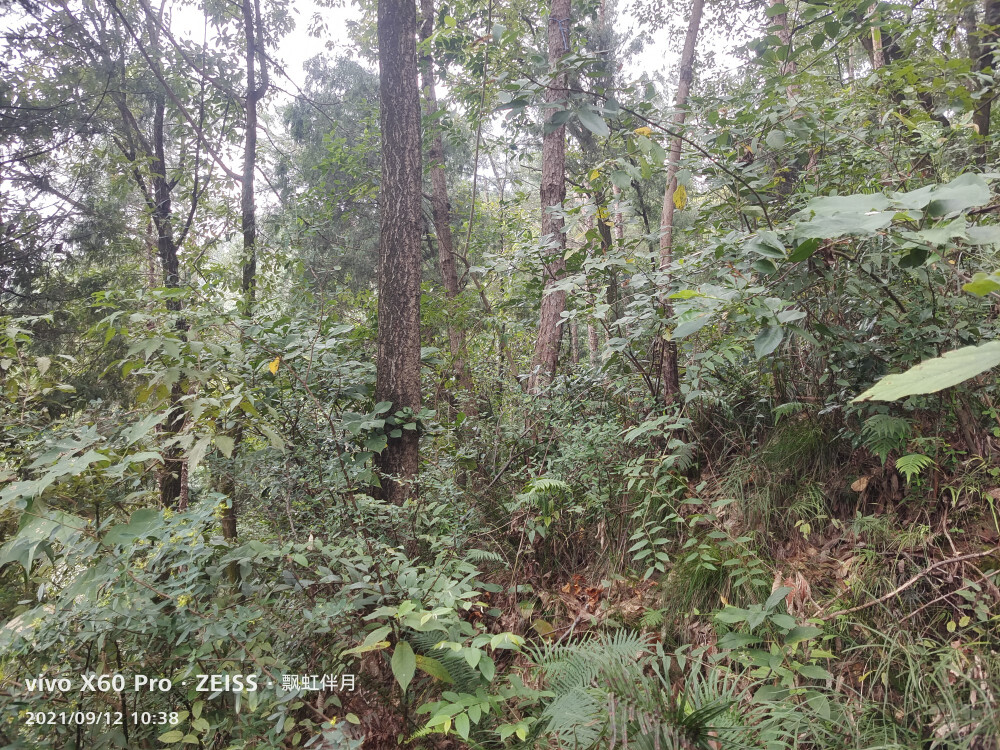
(373, 641)
(964, 192)
(621, 179)
(731, 615)
(767, 341)
(768, 244)
(487, 668)
(764, 266)
(776, 596)
(936, 374)
(593, 122)
(983, 284)
(737, 640)
(687, 327)
(142, 522)
(939, 234)
(273, 437)
(984, 235)
(783, 621)
(225, 444)
(801, 633)
(826, 226)
(814, 672)
(434, 668)
(804, 250)
(462, 725)
(175, 735)
(43, 364)
(404, 664)
(197, 453)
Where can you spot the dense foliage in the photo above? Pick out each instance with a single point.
(754, 505)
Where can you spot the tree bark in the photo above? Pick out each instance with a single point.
(988, 37)
(398, 351)
(173, 489)
(253, 39)
(553, 193)
(441, 211)
(669, 376)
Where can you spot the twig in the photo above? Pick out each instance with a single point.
(917, 577)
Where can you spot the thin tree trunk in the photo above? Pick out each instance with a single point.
(669, 376)
(253, 37)
(988, 37)
(593, 347)
(172, 477)
(441, 210)
(253, 34)
(553, 193)
(398, 352)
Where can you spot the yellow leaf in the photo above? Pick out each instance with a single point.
(680, 197)
(273, 367)
(602, 212)
(594, 175)
(643, 131)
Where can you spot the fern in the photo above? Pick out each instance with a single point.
(612, 691)
(652, 618)
(480, 556)
(787, 410)
(912, 464)
(883, 434)
(545, 486)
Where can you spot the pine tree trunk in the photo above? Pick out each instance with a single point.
(398, 351)
(441, 211)
(669, 376)
(553, 193)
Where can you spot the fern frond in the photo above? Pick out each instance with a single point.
(912, 464)
(787, 410)
(481, 555)
(883, 434)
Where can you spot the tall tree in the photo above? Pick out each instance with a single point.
(398, 352)
(553, 193)
(669, 376)
(254, 44)
(989, 35)
(441, 208)
(253, 37)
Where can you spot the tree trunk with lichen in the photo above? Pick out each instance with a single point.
(397, 359)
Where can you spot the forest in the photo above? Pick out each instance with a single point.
(510, 374)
